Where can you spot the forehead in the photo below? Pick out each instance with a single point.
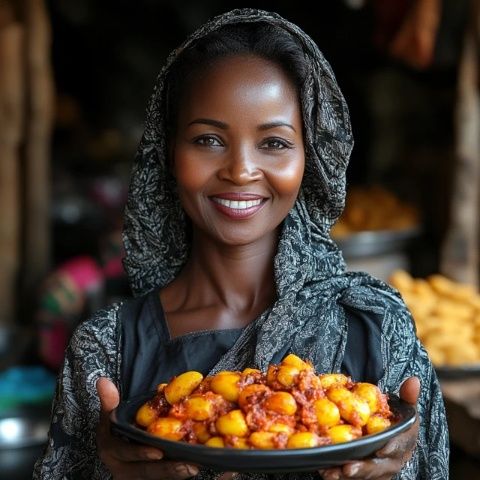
(239, 86)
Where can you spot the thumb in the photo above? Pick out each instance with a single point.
(410, 390)
(108, 394)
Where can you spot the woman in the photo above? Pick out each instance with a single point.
(238, 179)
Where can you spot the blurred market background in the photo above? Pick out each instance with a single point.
(75, 78)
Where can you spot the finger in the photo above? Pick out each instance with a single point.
(109, 399)
(108, 394)
(410, 390)
(374, 468)
(227, 476)
(402, 445)
(331, 473)
(158, 471)
(131, 452)
(117, 448)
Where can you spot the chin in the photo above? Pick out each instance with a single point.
(236, 240)
(240, 237)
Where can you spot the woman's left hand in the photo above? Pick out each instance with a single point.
(392, 457)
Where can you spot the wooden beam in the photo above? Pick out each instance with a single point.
(12, 100)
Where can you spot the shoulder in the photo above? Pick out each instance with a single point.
(101, 327)
(381, 304)
(98, 338)
(93, 350)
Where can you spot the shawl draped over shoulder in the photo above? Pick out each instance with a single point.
(312, 284)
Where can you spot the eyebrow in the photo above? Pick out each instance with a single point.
(268, 126)
(210, 121)
(224, 126)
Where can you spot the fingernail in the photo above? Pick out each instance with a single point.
(331, 475)
(154, 455)
(352, 469)
(386, 451)
(190, 470)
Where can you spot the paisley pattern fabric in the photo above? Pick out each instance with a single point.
(313, 286)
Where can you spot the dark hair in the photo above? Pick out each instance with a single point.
(257, 38)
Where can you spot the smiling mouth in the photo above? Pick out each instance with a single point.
(238, 208)
(237, 204)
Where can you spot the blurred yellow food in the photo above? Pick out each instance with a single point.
(374, 208)
(446, 314)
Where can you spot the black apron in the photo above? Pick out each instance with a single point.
(150, 356)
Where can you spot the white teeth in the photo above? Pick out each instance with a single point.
(237, 204)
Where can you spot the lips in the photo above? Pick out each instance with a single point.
(238, 205)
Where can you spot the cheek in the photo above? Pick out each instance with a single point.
(190, 174)
(287, 180)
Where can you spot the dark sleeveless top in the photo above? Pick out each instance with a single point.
(150, 356)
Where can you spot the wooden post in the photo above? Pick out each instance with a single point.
(26, 114)
(460, 252)
(37, 147)
(11, 126)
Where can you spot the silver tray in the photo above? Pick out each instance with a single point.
(458, 371)
(376, 242)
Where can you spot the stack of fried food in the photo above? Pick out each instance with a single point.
(373, 209)
(289, 406)
(447, 316)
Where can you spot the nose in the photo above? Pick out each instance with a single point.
(241, 166)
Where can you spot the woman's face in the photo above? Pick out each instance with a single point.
(238, 154)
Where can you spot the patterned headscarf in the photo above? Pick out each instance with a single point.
(311, 281)
(309, 270)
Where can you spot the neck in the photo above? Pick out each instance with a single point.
(240, 277)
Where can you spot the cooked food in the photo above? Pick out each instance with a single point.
(372, 209)
(446, 314)
(289, 406)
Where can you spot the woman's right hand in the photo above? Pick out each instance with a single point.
(128, 460)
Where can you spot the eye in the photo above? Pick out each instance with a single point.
(208, 141)
(275, 143)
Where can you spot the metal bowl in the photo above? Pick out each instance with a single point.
(372, 243)
(378, 252)
(23, 436)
